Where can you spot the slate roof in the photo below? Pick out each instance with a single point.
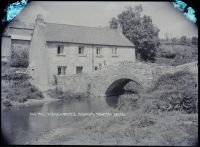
(85, 35)
(81, 34)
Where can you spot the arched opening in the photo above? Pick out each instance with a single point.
(117, 88)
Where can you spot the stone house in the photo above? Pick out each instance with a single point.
(64, 50)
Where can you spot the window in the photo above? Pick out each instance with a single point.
(81, 50)
(62, 70)
(98, 51)
(60, 49)
(114, 51)
(79, 69)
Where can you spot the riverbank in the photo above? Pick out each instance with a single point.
(164, 128)
(30, 102)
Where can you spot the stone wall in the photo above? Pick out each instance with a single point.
(143, 74)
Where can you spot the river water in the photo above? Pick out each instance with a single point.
(21, 125)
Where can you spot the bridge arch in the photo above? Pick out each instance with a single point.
(116, 86)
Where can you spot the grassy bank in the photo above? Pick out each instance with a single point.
(176, 54)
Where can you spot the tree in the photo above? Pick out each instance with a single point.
(183, 40)
(166, 36)
(113, 23)
(174, 40)
(194, 41)
(140, 31)
(188, 41)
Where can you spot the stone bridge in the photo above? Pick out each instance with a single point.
(111, 79)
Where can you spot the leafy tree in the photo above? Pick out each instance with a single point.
(113, 23)
(174, 40)
(188, 41)
(140, 31)
(183, 40)
(194, 40)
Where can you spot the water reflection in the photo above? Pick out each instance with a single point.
(19, 126)
(112, 100)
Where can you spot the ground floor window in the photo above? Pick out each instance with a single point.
(62, 70)
(79, 69)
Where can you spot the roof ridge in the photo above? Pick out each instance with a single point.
(77, 25)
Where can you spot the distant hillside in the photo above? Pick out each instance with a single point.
(169, 54)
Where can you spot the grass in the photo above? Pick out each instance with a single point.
(177, 54)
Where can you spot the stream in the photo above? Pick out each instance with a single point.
(20, 125)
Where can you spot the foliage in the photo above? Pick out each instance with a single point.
(140, 31)
(194, 40)
(178, 54)
(15, 76)
(19, 58)
(183, 40)
(20, 92)
(113, 23)
(179, 92)
(128, 102)
(6, 102)
(68, 95)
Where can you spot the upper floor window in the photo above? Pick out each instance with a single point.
(62, 70)
(98, 51)
(60, 49)
(81, 50)
(114, 51)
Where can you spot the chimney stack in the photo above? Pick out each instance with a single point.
(39, 19)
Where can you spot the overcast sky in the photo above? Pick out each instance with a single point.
(163, 14)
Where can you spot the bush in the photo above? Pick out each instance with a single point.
(68, 95)
(182, 92)
(186, 101)
(22, 92)
(6, 102)
(128, 102)
(19, 58)
(168, 55)
(178, 80)
(16, 76)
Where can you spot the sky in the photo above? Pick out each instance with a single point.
(169, 20)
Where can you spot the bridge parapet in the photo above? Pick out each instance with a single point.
(99, 81)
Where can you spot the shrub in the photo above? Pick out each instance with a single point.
(19, 58)
(177, 80)
(68, 95)
(6, 102)
(168, 55)
(182, 92)
(22, 92)
(128, 102)
(16, 76)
